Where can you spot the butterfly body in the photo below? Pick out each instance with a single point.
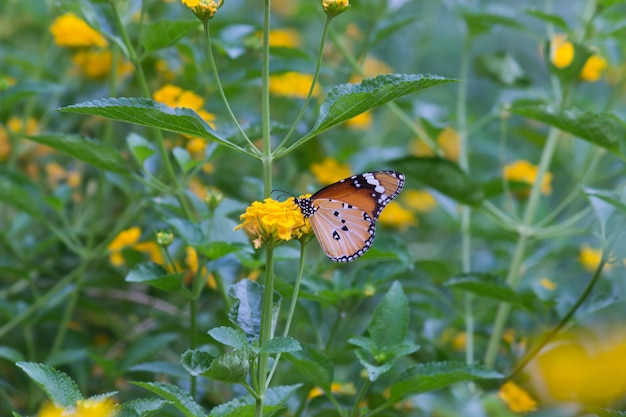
(343, 215)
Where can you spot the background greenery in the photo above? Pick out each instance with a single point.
(67, 302)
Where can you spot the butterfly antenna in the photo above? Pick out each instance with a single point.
(280, 194)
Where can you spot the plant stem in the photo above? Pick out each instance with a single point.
(266, 330)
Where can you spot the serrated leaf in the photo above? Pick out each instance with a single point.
(246, 311)
(87, 150)
(230, 336)
(435, 375)
(281, 344)
(156, 276)
(603, 129)
(374, 371)
(147, 112)
(143, 407)
(244, 406)
(346, 101)
(390, 319)
(196, 361)
(177, 396)
(230, 367)
(443, 175)
(165, 33)
(313, 366)
(59, 387)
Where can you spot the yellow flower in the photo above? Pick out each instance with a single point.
(524, 171)
(590, 258)
(50, 410)
(460, 341)
(153, 250)
(96, 408)
(175, 96)
(583, 368)
(547, 284)
(334, 7)
(203, 9)
(447, 140)
(421, 201)
(97, 63)
(196, 147)
(292, 84)
(561, 51)
(55, 173)
(593, 68)
(70, 30)
(330, 171)
(286, 38)
(518, 400)
(369, 290)
(17, 125)
(124, 239)
(272, 221)
(395, 215)
(335, 388)
(361, 122)
(5, 145)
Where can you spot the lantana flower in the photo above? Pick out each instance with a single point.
(562, 53)
(71, 31)
(329, 171)
(273, 222)
(203, 9)
(524, 171)
(516, 398)
(334, 7)
(292, 84)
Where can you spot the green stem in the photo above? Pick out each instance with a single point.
(218, 83)
(265, 104)
(364, 388)
(266, 330)
(292, 306)
(316, 74)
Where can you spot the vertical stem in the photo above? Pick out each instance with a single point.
(265, 104)
(466, 239)
(266, 329)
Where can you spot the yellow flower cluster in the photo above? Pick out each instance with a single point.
(292, 84)
(273, 221)
(97, 63)
(203, 9)
(590, 258)
(395, 215)
(16, 125)
(84, 408)
(447, 140)
(129, 238)
(329, 171)
(524, 171)
(517, 399)
(71, 31)
(335, 388)
(562, 54)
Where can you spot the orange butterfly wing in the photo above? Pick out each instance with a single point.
(343, 214)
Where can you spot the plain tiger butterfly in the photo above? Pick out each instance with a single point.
(343, 215)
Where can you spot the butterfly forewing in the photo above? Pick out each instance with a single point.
(345, 232)
(343, 214)
(370, 191)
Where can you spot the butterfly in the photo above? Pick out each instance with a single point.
(343, 215)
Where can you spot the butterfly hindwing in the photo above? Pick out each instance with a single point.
(345, 232)
(343, 215)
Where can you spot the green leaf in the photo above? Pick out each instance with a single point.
(10, 354)
(605, 412)
(604, 204)
(59, 387)
(230, 367)
(196, 361)
(147, 112)
(230, 336)
(244, 406)
(190, 232)
(435, 375)
(155, 275)
(479, 23)
(556, 20)
(443, 175)
(374, 371)
(346, 101)
(93, 152)
(158, 368)
(215, 250)
(486, 285)
(177, 396)
(281, 344)
(313, 366)
(12, 95)
(20, 192)
(390, 320)
(165, 33)
(145, 347)
(603, 129)
(143, 407)
(140, 147)
(502, 68)
(246, 311)
(184, 160)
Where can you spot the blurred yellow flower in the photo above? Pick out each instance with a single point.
(561, 51)
(293, 84)
(524, 171)
(196, 147)
(361, 122)
(590, 258)
(97, 63)
(50, 410)
(460, 341)
(96, 408)
(547, 284)
(516, 398)
(71, 31)
(175, 96)
(447, 140)
(125, 238)
(335, 388)
(5, 145)
(17, 125)
(395, 215)
(153, 249)
(582, 368)
(55, 173)
(329, 171)
(593, 68)
(198, 188)
(272, 221)
(421, 201)
(163, 69)
(285, 37)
